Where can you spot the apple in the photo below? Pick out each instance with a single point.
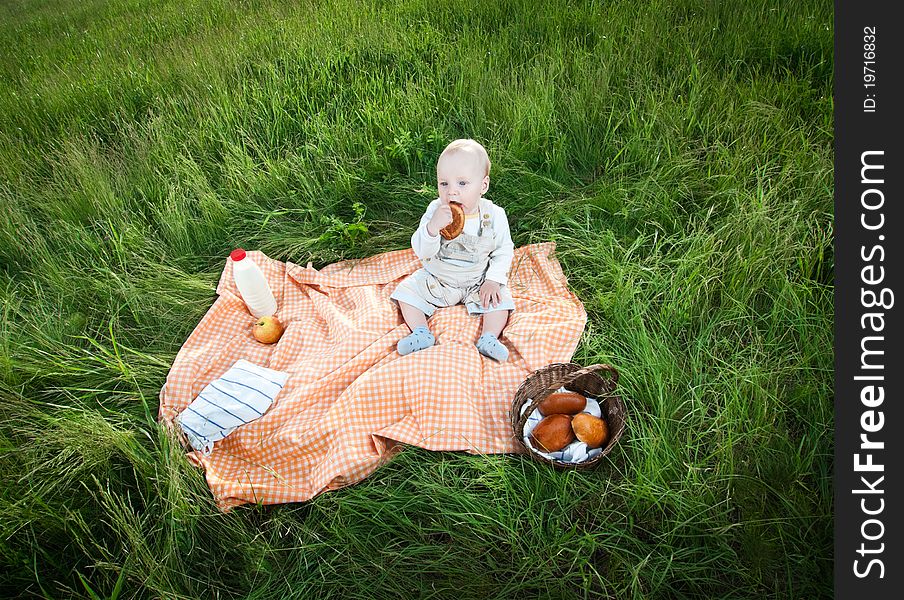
(267, 330)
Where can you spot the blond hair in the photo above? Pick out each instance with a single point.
(468, 146)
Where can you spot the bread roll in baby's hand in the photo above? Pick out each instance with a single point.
(454, 229)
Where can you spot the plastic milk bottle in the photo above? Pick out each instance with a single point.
(252, 285)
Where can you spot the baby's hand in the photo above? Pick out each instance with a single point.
(489, 292)
(441, 218)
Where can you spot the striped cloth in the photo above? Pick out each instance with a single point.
(351, 400)
(242, 395)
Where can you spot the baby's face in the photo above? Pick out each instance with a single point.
(460, 178)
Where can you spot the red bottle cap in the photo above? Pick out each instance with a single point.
(237, 255)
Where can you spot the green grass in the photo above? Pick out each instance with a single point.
(679, 153)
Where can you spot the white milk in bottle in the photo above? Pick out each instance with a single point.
(252, 284)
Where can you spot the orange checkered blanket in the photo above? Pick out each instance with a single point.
(351, 399)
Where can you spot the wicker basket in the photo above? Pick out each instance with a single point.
(587, 381)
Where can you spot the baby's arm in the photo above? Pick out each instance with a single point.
(501, 257)
(424, 244)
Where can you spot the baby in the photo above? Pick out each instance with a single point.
(472, 268)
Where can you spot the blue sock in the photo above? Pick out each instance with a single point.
(419, 339)
(490, 346)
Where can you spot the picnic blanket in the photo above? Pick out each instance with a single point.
(350, 399)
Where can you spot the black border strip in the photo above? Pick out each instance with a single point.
(868, 274)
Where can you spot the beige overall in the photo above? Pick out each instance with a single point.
(441, 283)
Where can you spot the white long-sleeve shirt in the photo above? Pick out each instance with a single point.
(427, 246)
